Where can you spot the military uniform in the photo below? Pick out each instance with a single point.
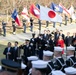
(41, 46)
(4, 28)
(33, 44)
(14, 27)
(71, 61)
(59, 64)
(24, 25)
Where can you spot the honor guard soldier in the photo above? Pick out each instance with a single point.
(31, 24)
(41, 45)
(33, 43)
(71, 60)
(16, 52)
(24, 25)
(57, 72)
(4, 28)
(70, 71)
(14, 26)
(59, 62)
(47, 56)
(8, 52)
(39, 67)
(27, 49)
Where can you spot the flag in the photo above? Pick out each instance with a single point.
(25, 14)
(71, 10)
(56, 8)
(49, 15)
(64, 9)
(38, 6)
(34, 11)
(16, 17)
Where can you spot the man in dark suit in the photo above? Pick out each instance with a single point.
(56, 36)
(45, 35)
(8, 52)
(16, 51)
(68, 39)
(61, 34)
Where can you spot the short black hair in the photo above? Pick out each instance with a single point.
(16, 42)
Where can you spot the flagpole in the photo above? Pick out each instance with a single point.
(7, 11)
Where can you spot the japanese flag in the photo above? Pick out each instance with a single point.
(49, 15)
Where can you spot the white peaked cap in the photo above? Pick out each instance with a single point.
(70, 70)
(39, 64)
(70, 48)
(58, 72)
(47, 53)
(23, 66)
(57, 48)
(32, 58)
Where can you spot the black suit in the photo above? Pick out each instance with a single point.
(8, 56)
(68, 40)
(45, 36)
(16, 53)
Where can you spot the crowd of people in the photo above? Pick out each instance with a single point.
(44, 54)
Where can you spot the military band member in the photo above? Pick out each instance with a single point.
(71, 60)
(70, 71)
(8, 51)
(39, 67)
(47, 56)
(59, 62)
